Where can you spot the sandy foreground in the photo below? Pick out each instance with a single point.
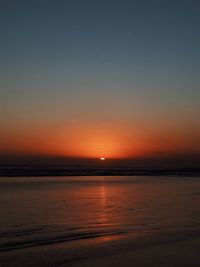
(184, 254)
(170, 249)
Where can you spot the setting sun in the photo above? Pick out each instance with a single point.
(102, 158)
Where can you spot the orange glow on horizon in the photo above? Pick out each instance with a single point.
(93, 141)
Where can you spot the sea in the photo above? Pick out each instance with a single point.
(89, 213)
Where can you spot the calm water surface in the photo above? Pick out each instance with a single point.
(45, 210)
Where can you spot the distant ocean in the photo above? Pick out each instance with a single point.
(45, 211)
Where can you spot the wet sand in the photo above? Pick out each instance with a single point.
(185, 254)
(175, 248)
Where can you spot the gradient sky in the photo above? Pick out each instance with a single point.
(118, 79)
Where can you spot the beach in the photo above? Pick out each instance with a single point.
(100, 221)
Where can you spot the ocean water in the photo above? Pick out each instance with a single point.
(47, 210)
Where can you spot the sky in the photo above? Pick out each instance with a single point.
(90, 79)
